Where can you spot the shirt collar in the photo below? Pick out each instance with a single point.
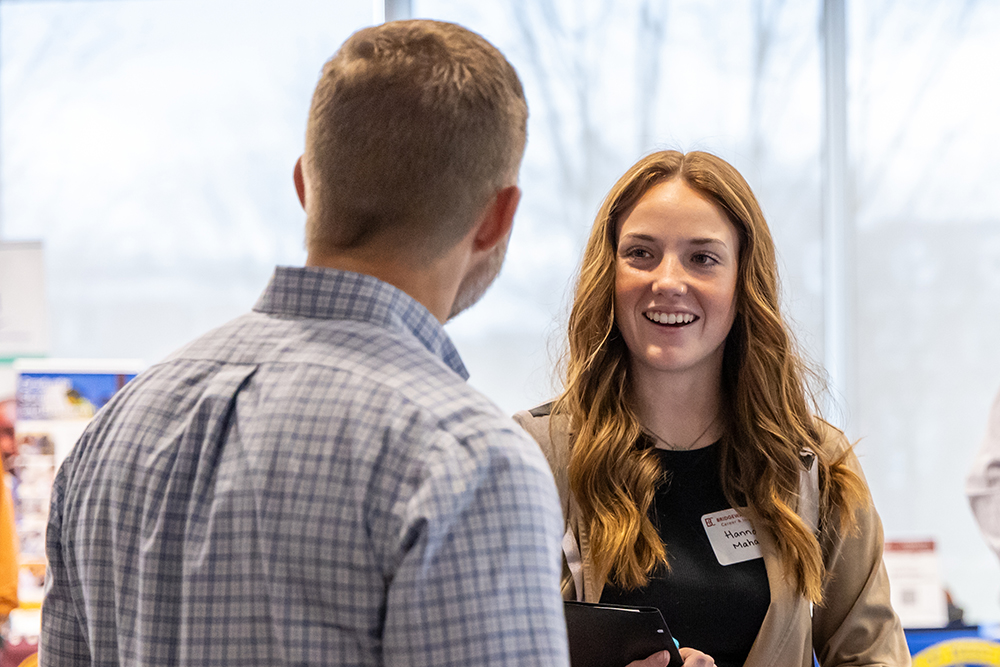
(342, 295)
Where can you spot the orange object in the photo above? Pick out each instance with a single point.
(8, 552)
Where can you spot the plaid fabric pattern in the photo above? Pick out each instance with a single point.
(313, 483)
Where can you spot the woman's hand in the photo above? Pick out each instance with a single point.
(692, 658)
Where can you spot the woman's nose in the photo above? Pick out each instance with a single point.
(670, 277)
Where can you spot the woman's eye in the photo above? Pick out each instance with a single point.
(703, 258)
(638, 253)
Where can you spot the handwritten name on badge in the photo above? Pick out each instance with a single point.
(733, 537)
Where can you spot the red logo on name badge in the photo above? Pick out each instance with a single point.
(708, 522)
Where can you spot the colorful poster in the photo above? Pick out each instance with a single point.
(65, 395)
(55, 400)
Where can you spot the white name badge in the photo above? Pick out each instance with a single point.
(733, 537)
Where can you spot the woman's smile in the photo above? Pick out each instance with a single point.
(670, 319)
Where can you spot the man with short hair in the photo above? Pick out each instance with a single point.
(314, 482)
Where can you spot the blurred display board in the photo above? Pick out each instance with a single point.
(55, 400)
(918, 595)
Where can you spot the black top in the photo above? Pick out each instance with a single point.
(714, 608)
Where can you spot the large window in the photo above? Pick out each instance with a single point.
(926, 152)
(608, 81)
(150, 145)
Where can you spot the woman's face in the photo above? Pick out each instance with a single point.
(675, 281)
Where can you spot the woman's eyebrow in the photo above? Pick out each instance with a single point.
(638, 236)
(708, 241)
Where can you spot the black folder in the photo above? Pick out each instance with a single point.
(607, 635)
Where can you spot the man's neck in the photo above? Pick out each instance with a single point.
(433, 285)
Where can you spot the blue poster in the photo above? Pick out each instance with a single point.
(66, 395)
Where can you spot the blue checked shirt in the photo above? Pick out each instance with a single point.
(313, 483)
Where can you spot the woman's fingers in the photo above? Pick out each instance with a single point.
(693, 658)
(660, 659)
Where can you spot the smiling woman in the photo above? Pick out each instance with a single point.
(675, 283)
(686, 422)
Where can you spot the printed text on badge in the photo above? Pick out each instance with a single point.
(733, 537)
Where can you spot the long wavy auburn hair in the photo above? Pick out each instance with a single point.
(767, 405)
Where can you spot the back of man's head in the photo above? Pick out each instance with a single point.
(414, 126)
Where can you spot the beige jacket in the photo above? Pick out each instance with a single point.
(856, 624)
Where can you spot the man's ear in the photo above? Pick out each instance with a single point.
(300, 182)
(497, 219)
